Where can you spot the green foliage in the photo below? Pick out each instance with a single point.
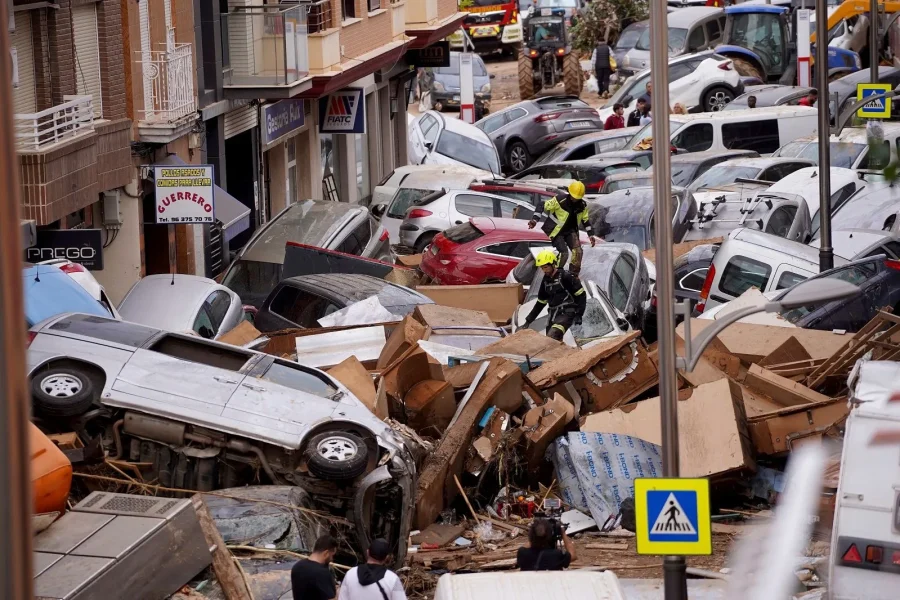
(604, 18)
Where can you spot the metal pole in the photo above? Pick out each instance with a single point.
(15, 478)
(873, 40)
(675, 576)
(826, 252)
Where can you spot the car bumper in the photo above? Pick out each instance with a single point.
(453, 98)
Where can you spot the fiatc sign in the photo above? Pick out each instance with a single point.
(184, 194)
(343, 112)
(82, 246)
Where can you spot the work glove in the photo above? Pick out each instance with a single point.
(531, 224)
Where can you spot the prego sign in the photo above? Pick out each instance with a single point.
(184, 194)
(82, 246)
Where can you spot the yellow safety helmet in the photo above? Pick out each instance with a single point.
(546, 257)
(576, 190)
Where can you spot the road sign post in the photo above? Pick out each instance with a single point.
(803, 48)
(878, 107)
(672, 516)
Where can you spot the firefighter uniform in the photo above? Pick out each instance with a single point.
(565, 216)
(562, 294)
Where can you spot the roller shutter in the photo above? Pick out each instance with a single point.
(87, 54)
(240, 120)
(23, 95)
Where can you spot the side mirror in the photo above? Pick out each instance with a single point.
(378, 210)
(623, 324)
(429, 146)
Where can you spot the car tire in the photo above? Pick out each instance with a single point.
(62, 391)
(517, 156)
(715, 99)
(424, 240)
(337, 456)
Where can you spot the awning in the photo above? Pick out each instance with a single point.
(233, 214)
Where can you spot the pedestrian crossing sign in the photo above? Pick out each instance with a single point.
(879, 108)
(672, 516)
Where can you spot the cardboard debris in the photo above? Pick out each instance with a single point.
(499, 300)
(358, 380)
(409, 260)
(527, 342)
(682, 248)
(414, 367)
(327, 349)
(244, 333)
(788, 352)
(429, 406)
(779, 431)
(578, 363)
(713, 435)
(543, 424)
(403, 337)
(752, 343)
(437, 535)
(435, 316)
(501, 386)
(462, 375)
(782, 391)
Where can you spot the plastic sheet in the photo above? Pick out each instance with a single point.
(365, 312)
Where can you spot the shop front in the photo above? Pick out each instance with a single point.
(289, 148)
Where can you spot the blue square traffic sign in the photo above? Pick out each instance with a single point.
(673, 516)
(877, 108)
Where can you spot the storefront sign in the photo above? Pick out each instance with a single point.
(82, 246)
(436, 55)
(281, 118)
(184, 194)
(343, 112)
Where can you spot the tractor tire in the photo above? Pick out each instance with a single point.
(746, 68)
(573, 77)
(526, 77)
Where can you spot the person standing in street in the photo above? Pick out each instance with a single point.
(646, 115)
(634, 117)
(373, 580)
(603, 67)
(615, 120)
(648, 97)
(426, 85)
(311, 578)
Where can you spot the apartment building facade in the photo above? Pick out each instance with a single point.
(71, 127)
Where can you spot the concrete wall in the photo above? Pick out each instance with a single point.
(122, 263)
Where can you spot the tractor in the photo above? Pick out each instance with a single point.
(547, 56)
(760, 40)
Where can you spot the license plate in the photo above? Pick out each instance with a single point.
(483, 32)
(456, 98)
(579, 124)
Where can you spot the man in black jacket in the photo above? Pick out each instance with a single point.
(602, 67)
(634, 117)
(563, 295)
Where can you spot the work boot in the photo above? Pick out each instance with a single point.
(574, 270)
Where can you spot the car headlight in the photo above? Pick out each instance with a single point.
(486, 88)
(438, 86)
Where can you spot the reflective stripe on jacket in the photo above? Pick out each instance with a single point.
(558, 214)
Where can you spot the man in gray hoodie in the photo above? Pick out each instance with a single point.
(373, 580)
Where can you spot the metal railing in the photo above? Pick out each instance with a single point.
(170, 94)
(35, 132)
(265, 45)
(319, 17)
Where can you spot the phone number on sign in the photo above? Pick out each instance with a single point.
(186, 220)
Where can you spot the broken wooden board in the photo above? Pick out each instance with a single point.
(783, 391)
(402, 338)
(878, 335)
(578, 363)
(713, 435)
(358, 380)
(542, 425)
(779, 431)
(244, 333)
(429, 406)
(438, 534)
(790, 351)
(527, 342)
(434, 315)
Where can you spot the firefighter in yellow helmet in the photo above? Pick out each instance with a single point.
(564, 216)
(563, 295)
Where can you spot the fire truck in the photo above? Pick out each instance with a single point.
(492, 25)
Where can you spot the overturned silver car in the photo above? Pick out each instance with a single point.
(208, 416)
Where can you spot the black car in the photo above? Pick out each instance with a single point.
(590, 172)
(588, 145)
(628, 215)
(689, 166)
(690, 272)
(301, 301)
(878, 279)
(532, 127)
(769, 95)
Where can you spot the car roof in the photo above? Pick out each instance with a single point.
(699, 157)
(755, 8)
(436, 180)
(49, 291)
(850, 80)
(756, 113)
(850, 242)
(776, 243)
(762, 162)
(687, 16)
(599, 135)
(598, 162)
(353, 287)
(645, 174)
(168, 302)
(772, 93)
(855, 135)
(632, 205)
(310, 222)
(800, 180)
(461, 127)
(868, 208)
(528, 185)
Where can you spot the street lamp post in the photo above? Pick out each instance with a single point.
(826, 252)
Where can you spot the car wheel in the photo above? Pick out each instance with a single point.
(62, 391)
(423, 241)
(717, 99)
(336, 455)
(517, 157)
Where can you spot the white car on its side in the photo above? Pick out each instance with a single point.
(84, 278)
(435, 139)
(706, 80)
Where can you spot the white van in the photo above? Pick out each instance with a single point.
(761, 129)
(546, 585)
(849, 149)
(865, 538)
(753, 259)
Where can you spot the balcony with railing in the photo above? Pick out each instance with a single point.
(41, 131)
(428, 21)
(265, 50)
(170, 100)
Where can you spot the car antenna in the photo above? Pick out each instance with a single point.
(37, 275)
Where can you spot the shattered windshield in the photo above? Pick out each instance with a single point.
(467, 151)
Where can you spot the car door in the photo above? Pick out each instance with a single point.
(683, 80)
(621, 284)
(491, 126)
(465, 206)
(179, 374)
(497, 260)
(431, 129)
(281, 401)
(417, 138)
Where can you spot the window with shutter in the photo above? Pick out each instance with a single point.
(87, 54)
(23, 95)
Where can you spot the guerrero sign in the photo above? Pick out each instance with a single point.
(343, 112)
(184, 194)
